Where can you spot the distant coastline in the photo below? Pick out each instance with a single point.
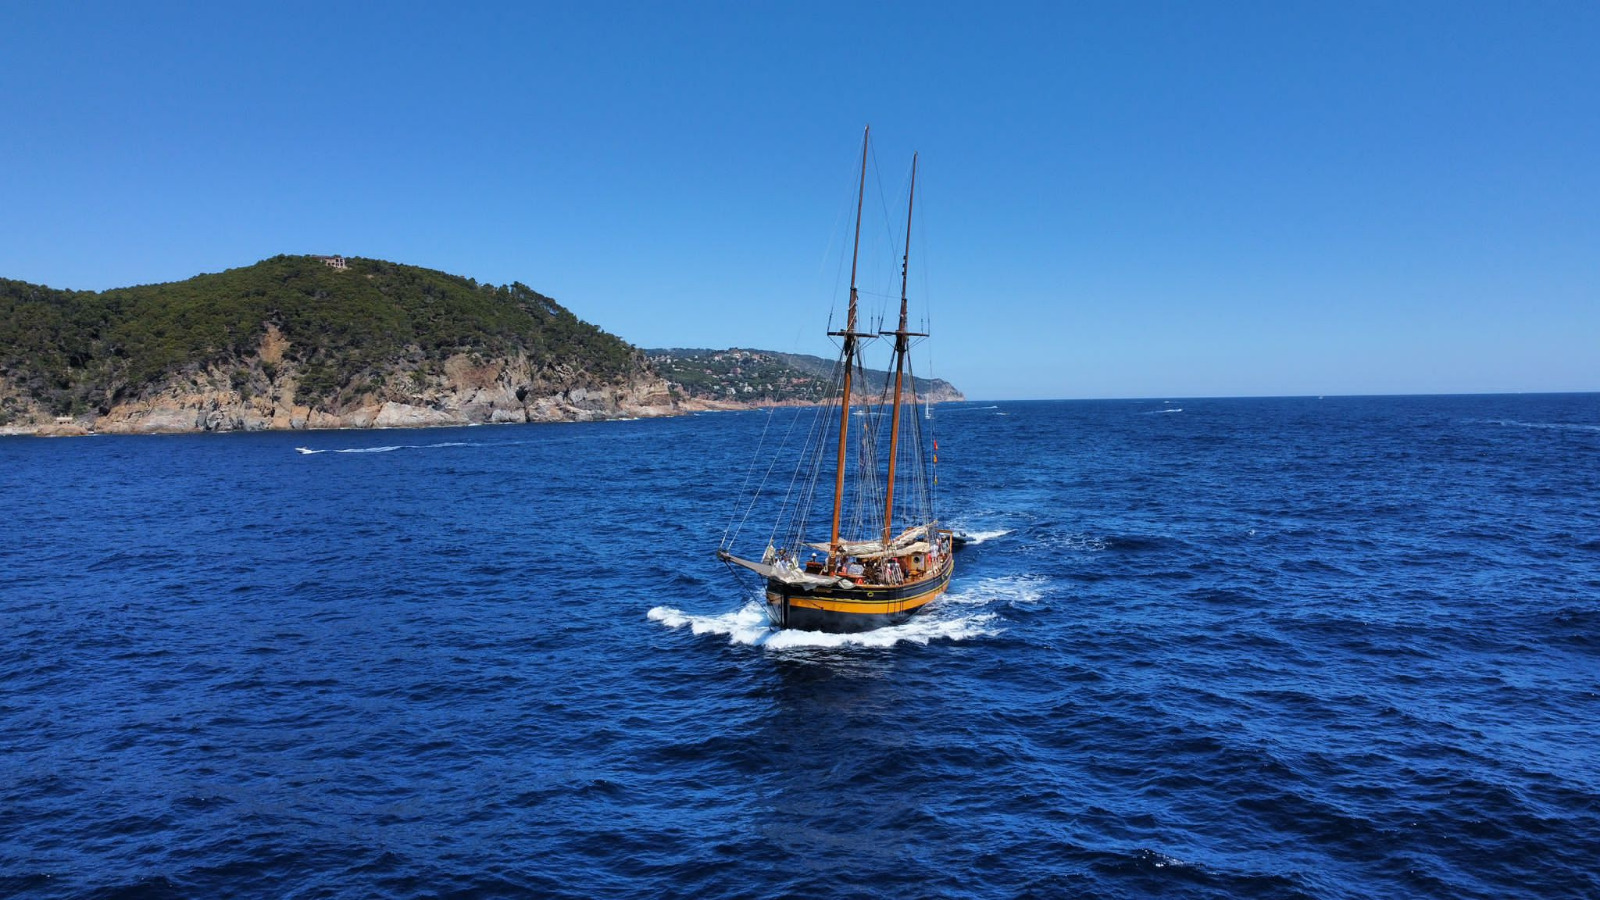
(327, 342)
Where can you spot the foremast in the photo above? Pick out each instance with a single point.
(836, 550)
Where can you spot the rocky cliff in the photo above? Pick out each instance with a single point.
(468, 389)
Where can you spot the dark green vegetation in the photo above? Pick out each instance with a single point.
(762, 376)
(76, 352)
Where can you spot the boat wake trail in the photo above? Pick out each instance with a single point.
(1551, 426)
(393, 447)
(749, 626)
(1008, 590)
(979, 537)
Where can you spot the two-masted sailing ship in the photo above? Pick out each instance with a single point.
(885, 556)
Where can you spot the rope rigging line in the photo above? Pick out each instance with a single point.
(777, 456)
(808, 467)
(815, 437)
(869, 488)
(754, 458)
(925, 490)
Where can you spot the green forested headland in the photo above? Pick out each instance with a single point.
(82, 352)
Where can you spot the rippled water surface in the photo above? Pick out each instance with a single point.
(1328, 648)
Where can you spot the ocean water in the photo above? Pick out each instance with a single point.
(1338, 648)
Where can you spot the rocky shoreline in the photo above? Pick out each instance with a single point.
(263, 393)
(194, 415)
(178, 411)
(202, 418)
(199, 419)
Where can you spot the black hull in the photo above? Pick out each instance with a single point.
(852, 610)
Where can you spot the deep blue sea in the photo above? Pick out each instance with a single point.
(1340, 648)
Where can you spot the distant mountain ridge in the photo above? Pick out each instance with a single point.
(746, 376)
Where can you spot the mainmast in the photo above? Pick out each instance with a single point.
(901, 344)
(849, 335)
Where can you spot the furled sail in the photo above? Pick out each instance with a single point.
(874, 549)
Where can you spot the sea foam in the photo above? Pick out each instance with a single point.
(748, 626)
(978, 537)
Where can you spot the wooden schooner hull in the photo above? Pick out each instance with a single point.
(850, 610)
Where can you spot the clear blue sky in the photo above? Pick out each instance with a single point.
(1121, 200)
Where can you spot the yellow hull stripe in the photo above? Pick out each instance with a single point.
(868, 607)
(872, 607)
